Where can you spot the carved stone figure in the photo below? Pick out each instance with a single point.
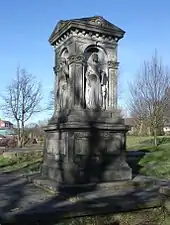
(104, 84)
(95, 79)
(64, 83)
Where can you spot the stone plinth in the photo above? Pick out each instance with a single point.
(90, 146)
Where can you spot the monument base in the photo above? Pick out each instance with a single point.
(85, 149)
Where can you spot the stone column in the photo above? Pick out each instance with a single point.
(112, 71)
(76, 64)
(56, 90)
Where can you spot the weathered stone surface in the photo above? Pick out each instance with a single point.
(86, 137)
(84, 149)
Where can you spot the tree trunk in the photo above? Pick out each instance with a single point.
(149, 131)
(155, 137)
(19, 134)
(140, 128)
(100, 220)
(22, 134)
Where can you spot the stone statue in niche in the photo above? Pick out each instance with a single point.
(96, 84)
(104, 91)
(64, 83)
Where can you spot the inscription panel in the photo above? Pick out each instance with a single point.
(116, 144)
(56, 144)
(81, 146)
(52, 143)
(108, 142)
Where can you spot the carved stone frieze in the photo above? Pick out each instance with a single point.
(80, 135)
(99, 21)
(76, 59)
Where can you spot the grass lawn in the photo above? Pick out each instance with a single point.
(23, 162)
(140, 143)
(157, 162)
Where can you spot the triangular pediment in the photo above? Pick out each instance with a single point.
(88, 23)
(98, 21)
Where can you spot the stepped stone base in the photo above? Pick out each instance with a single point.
(86, 151)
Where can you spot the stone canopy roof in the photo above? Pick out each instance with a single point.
(94, 24)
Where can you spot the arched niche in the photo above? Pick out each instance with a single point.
(64, 53)
(102, 55)
(95, 49)
(95, 77)
(62, 78)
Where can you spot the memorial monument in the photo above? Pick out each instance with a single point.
(86, 137)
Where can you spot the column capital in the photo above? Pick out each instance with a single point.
(56, 69)
(113, 64)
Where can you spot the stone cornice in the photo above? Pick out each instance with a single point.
(92, 36)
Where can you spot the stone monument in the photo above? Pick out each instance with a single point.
(85, 138)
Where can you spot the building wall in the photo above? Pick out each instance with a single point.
(5, 124)
(166, 129)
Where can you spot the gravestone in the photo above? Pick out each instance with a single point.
(86, 137)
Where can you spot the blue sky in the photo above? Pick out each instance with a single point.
(26, 26)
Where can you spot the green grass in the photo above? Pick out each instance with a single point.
(142, 217)
(24, 162)
(157, 163)
(140, 143)
(135, 142)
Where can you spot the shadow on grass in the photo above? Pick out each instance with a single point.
(134, 158)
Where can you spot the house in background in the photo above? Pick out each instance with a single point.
(6, 128)
(131, 123)
(166, 128)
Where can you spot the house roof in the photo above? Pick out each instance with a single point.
(6, 121)
(88, 24)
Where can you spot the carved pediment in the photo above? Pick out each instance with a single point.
(100, 21)
(93, 24)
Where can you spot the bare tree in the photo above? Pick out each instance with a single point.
(50, 105)
(22, 100)
(149, 101)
